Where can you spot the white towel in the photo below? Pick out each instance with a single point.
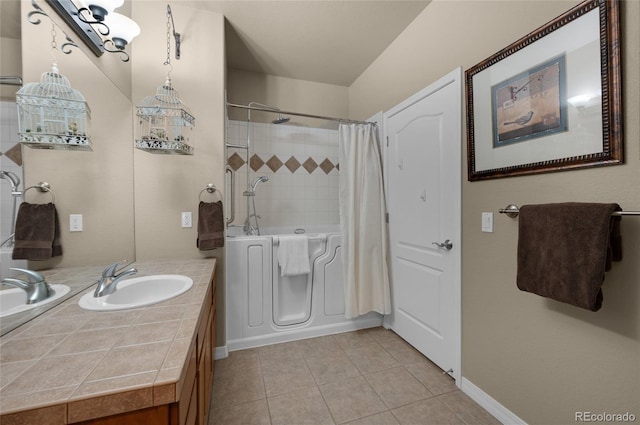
(293, 255)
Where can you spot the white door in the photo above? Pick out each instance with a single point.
(423, 168)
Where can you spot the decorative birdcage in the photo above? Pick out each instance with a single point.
(165, 123)
(52, 115)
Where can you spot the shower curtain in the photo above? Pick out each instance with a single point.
(362, 217)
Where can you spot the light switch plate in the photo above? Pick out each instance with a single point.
(75, 222)
(487, 222)
(186, 219)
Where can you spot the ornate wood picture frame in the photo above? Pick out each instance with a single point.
(551, 101)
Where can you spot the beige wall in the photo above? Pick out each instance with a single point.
(288, 94)
(166, 185)
(98, 184)
(541, 359)
(10, 65)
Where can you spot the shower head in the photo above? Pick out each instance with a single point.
(257, 181)
(280, 119)
(12, 177)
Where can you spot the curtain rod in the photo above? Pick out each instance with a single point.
(299, 114)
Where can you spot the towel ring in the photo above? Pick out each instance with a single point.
(211, 188)
(42, 187)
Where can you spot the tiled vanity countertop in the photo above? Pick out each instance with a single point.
(69, 364)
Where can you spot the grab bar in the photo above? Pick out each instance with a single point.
(232, 213)
(322, 238)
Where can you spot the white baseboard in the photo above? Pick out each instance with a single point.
(221, 353)
(500, 412)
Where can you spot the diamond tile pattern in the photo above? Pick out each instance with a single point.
(310, 165)
(292, 164)
(274, 163)
(326, 166)
(256, 162)
(15, 154)
(235, 161)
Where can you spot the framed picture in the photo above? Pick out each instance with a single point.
(551, 101)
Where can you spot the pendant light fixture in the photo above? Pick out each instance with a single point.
(96, 24)
(51, 114)
(165, 122)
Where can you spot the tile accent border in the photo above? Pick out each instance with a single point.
(274, 163)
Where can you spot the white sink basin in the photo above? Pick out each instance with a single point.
(14, 300)
(138, 292)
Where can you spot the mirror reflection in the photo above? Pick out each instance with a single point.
(93, 190)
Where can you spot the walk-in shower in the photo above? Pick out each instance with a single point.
(298, 165)
(251, 225)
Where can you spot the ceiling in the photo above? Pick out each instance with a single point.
(328, 41)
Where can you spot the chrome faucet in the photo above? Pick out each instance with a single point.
(35, 286)
(109, 280)
(248, 228)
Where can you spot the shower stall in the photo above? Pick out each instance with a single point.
(290, 186)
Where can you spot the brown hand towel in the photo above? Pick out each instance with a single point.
(210, 225)
(564, 250)
(37, 235)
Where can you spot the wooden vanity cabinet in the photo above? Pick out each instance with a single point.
(192, 407)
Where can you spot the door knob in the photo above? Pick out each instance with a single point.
(446, 244)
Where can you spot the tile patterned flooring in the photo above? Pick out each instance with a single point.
(367, 377)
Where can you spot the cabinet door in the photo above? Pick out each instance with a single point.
(204, 375)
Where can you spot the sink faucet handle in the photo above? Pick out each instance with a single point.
(110, 270)
(33, 276)
(15, 282)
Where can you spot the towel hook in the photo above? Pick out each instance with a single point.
(211, 188)
(42, 187)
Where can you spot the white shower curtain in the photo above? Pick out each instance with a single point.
(362, 216)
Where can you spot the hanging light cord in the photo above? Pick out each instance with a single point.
(54, 47)
(168, 60)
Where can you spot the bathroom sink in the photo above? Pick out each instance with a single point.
(138, 292)
(14, 300)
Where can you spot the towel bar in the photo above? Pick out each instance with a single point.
(512, 211)
(42, 187)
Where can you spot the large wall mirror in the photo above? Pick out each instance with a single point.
(97, 184)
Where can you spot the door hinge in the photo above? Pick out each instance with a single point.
(387, 217)
(387, 141)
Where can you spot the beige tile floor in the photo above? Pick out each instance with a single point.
(368, 377)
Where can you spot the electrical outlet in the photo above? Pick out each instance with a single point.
(186, 219)
(487, 222)
(75, 222)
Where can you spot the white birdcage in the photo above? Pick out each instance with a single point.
(52, 115)
(165, 123)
